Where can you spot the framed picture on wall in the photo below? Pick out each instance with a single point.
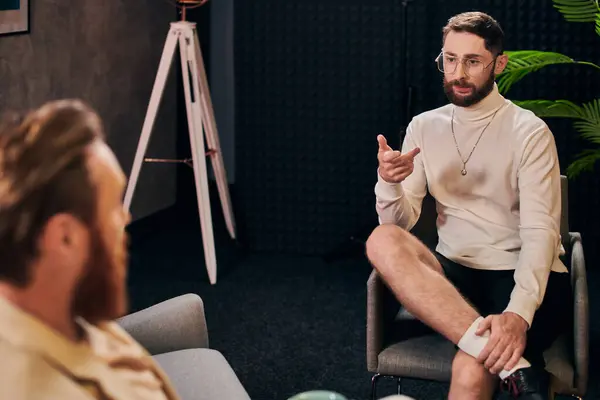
(14, 16)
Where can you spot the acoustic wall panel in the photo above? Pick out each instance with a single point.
(316, 82)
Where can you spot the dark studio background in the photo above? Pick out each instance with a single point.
(300, 91)
(316, 81)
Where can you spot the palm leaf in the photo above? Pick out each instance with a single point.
(580, 11)
(587, 123)
(522, 62)
(592, 111)
(587, 115)
(588, 131)
(589, 126)
(585, 162)
(552, 108)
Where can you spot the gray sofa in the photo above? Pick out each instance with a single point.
(175, 333)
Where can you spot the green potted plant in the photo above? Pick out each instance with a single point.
(586, 116)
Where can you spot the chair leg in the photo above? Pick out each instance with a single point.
(399, 383)
(374, 381)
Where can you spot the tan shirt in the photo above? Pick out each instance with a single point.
(505, 213)
(37, 362)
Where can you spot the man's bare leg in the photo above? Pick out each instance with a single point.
(416, 278)
(470, 380)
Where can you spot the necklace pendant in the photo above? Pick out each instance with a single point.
(463, 172)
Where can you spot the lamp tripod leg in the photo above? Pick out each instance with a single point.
(155, 99)
(195, 119)
(212, 139)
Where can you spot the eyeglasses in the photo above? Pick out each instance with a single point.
(472, 66)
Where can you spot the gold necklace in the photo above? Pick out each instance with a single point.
(463, 171)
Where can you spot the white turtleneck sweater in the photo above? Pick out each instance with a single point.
(505, 213)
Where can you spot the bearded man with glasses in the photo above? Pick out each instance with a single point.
(495, 284)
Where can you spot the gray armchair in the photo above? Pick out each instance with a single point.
(175, 333)
(399, 346)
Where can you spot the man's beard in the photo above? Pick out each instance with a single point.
(477, 94)
(101, 294)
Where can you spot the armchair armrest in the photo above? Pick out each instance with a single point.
(375, 319)
(581, 312)
(175, 324)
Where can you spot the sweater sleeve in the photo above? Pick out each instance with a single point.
(539, 228)
(400, 203)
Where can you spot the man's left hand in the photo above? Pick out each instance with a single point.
(506, 341)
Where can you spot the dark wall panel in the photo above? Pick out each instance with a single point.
(106, 53)
(317, 81)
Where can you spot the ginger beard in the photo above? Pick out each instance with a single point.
(101, 294)
(476, 93)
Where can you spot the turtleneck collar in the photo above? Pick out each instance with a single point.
(482, 110)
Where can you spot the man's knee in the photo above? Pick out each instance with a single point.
(390, 247)
(469, 375)
(383, 240)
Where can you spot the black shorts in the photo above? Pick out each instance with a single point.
(489, 293)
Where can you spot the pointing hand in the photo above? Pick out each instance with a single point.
(394, 166)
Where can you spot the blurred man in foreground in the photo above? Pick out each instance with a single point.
(64, 260)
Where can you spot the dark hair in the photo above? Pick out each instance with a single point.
(479, 24)
(43, 172)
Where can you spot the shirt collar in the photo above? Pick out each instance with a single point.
(78, 359)
(482, 110)
(27, 332)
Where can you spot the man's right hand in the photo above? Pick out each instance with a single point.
(394, 166)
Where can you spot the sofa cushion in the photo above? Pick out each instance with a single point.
(201, 374)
